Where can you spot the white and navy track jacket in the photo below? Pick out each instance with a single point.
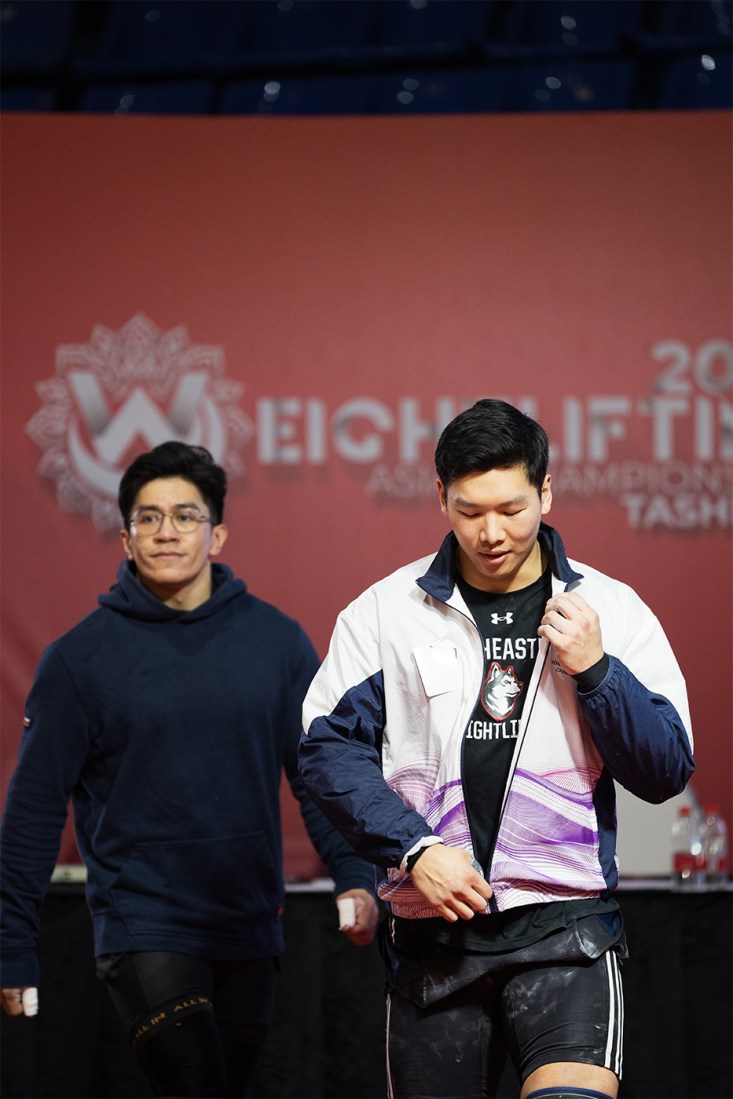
(386, 715)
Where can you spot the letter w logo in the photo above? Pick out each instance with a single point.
(111, 435)
(139, 415)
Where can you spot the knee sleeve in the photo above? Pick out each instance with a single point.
(180, 1051)
(166, 1015)
(564, 1092)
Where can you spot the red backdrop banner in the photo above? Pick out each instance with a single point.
(314, 298)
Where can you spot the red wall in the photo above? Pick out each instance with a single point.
(249, 280)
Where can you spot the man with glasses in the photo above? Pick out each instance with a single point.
(167, 716)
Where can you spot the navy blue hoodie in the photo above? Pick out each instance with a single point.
(169, 731)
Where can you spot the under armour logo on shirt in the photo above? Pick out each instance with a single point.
(496, 618)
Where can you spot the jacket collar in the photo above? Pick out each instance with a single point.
(440, 579)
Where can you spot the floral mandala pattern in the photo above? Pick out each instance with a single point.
(125, 392)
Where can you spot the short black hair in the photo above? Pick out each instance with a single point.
(175, 459)
(492, 434)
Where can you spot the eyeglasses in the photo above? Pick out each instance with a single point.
(150, 520)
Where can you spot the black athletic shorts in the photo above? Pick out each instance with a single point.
(452, 1018)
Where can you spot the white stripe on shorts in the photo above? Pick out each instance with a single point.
(390, 1089)
(614, 1045)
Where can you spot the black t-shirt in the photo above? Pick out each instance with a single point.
(508, 622)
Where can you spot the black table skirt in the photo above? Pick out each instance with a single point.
(328, 1039)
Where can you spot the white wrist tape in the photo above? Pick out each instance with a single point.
(347, 912)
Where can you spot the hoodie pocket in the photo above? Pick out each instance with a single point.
(188, 887)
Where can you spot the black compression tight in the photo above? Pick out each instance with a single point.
(196, 1025)
(190, 1058)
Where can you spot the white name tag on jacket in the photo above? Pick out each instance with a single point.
(438, 666)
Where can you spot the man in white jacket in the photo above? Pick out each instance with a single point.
(464, 734)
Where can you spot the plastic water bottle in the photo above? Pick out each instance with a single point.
(715, 846)
(687, 854)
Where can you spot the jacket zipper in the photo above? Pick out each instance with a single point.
(526, 715)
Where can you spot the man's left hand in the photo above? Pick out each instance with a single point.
(573, 629)
(366, 916)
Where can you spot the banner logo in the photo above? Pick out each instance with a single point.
(123, 393)
(662, 454)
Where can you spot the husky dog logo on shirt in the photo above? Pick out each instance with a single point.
(500, 691)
